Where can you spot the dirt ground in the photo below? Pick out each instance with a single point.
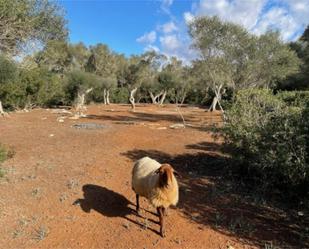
(70, 188)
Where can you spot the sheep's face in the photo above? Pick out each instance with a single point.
(165, 172)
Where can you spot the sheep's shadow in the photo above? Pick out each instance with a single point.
(110, 203)
(104, 201)
(209, 196)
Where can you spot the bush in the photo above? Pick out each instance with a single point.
(120, 95)
(42, 88)
(294, 98)
(268, 140)
(79, 81)
(9, 92)
(5, 154)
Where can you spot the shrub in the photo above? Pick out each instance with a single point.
(79, 81)
(5, 154)
(294, 98)
(9, 92)
(42, 88)
(268, 140)
(120, 95)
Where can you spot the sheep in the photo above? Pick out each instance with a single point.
(157, 183)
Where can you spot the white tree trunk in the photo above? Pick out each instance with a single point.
(107, 97)
(104, 96)
(2, 112)
(153, 99)
(132, 99)
(183, 98)
(80, 103)
(216, 99)
(213, 104)
(163, 97)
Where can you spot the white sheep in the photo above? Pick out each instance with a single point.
(157, 183)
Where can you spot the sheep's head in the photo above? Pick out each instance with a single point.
(166, 173)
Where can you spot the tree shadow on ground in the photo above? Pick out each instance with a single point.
(110, 203)
(210, 198)
(138, 117)
(205, 146)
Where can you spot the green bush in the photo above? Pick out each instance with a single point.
(9, 92)
(268, 140)
(42, 88)
(294, 98)
(4, 154)
(120, 95)
(79, 81)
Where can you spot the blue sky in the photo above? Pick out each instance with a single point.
(134, 26)
(117, 23)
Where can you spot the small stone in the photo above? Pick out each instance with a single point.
(177, 126)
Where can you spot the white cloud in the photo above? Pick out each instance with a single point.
(147, 37)
(189, 17)
(177, 46)
(168, 27)
(277, 19)
(244, 12)
(152, 48)
(169, 42)
(288, 16)
(165, 5)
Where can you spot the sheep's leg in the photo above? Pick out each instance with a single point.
(165, 211)
(161, 211)
(137, 203)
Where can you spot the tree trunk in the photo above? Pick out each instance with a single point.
(132, 99)
(163, 98)
(2, 112)
(216, 99)
(153, 99)
(80, 103)
(104, 96)
(183, 98)
(107, 97)
(213, 104)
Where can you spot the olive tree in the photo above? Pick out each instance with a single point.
(102, 62)
(79, 84)
(25, 22)
(231, 57)
(8, 74)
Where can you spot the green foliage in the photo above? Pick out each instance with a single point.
(107, 83)
(300, 80)
(10, 91)
(101, 61)
(42, 87)
(56, 57)
(268, 140)
(25, 21)
(120, 95)
(79, 81)
(8, 70)
(233, 57)
(4, 155)
(294, 98)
